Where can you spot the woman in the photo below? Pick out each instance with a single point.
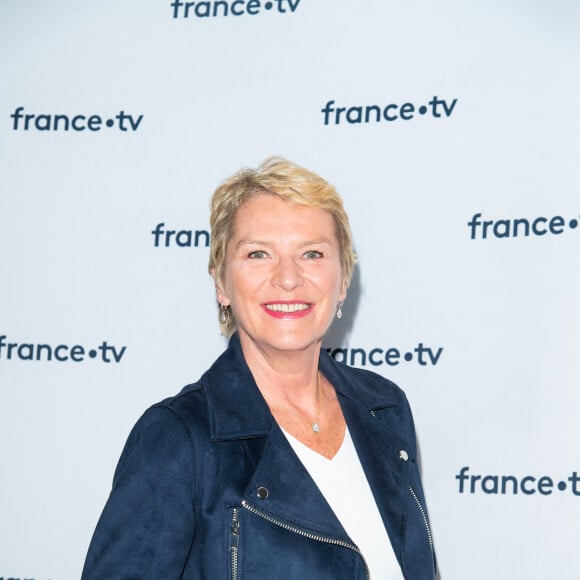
(279, 463)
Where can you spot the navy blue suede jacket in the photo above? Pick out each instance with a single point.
(208, 487)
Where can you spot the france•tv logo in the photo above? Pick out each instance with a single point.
(25, 121)
(221, 8)
(77, 353)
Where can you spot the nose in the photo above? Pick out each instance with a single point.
(287, 274)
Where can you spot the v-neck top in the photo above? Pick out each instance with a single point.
(344, 485)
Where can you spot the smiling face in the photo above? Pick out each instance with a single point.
(282, 276)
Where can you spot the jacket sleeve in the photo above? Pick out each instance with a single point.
(147, 526)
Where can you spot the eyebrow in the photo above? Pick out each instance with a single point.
(252, 242)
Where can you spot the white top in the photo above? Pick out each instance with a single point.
(344, 485)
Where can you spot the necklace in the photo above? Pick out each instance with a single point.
(314, 424)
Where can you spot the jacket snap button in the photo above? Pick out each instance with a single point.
(262, 493)
(403, 455)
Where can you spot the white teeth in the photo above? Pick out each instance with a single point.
(287, 307)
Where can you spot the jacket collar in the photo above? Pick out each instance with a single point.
(237, 409)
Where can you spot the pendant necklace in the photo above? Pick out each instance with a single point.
(314, 424)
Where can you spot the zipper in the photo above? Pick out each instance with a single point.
(426, 522)
(308, 535)
(234, 545)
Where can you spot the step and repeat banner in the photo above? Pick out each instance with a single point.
(452, 131)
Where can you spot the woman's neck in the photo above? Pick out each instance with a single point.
(301, 399)
(284, 376)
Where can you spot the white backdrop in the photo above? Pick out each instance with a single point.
(479, 123)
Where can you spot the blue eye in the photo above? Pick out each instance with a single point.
(257, 254)
(313, 254)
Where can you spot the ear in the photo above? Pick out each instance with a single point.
(219, 292)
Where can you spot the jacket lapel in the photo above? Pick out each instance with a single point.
(283, 489)
(379, 452)
(376, 417)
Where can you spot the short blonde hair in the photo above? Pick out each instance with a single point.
(290, 182)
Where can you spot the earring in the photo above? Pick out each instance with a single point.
(223, 316)
(339, 310)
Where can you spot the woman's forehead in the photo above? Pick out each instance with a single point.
(272, 216)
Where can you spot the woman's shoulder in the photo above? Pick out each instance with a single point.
(187, 405)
